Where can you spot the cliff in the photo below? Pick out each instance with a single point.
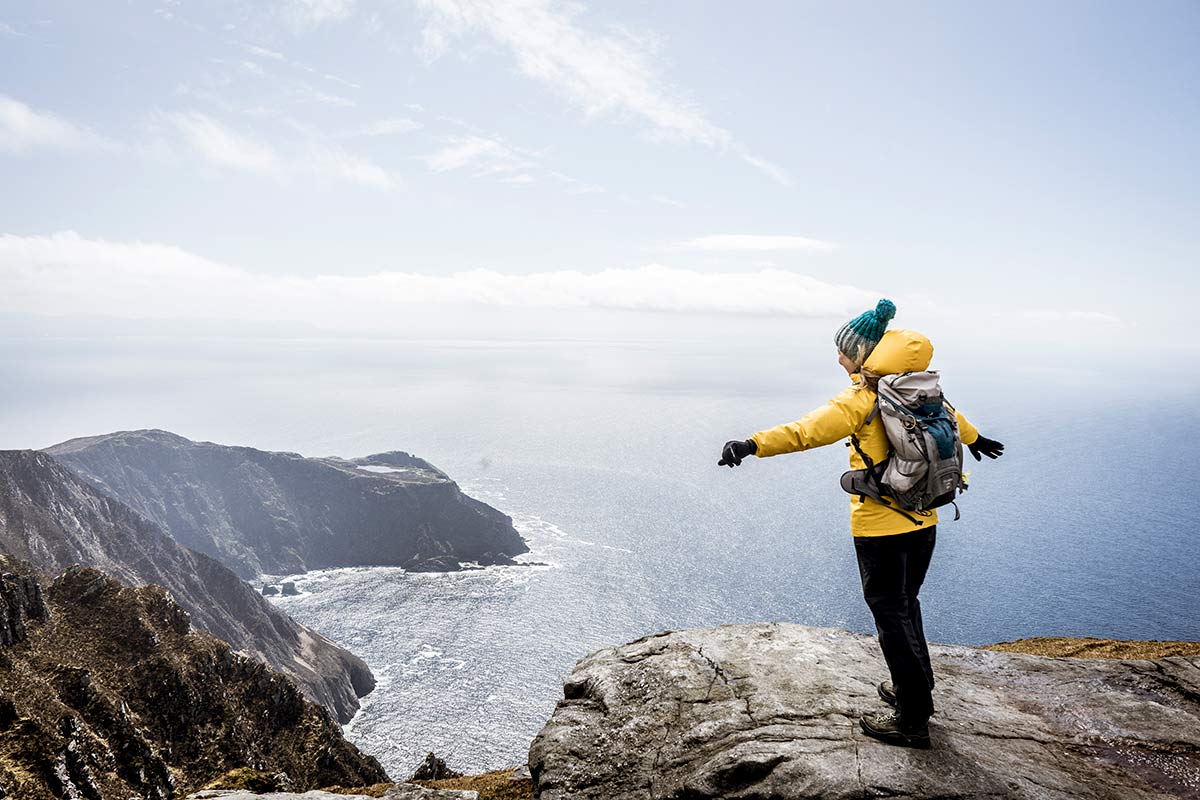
(107, 693)
(52, 519)
(770, 711)
(262, 512)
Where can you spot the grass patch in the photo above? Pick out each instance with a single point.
(1070, 647)
(375, 790)
(247, 779)
(498, 785)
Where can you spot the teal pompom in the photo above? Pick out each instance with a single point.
(885, 309)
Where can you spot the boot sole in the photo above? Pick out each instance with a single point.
(898, 739)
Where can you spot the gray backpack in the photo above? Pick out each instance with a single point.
(923, 469)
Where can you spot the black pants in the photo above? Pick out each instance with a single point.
(893, 569)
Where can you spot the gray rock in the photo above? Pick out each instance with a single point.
(20, 600)
(401, 791)
(410, 791)
(433, 769)
(434, 564)
(771, 711)
(289, 589)
(269, 590)
(239, 794)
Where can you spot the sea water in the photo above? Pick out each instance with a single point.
(604, 454)
(1084, 528)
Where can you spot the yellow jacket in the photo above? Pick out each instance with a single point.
(898, 351)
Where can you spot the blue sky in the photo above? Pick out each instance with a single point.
(1022, 166)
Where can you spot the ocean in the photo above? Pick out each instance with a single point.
(604, 453)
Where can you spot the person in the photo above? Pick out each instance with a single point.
(893, 549)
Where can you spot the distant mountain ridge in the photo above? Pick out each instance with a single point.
(107, 693)
(261, 512)
(51, 518)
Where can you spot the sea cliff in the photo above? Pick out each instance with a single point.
(52, 519)
(261, 512)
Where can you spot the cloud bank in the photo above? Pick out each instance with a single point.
(68, 274)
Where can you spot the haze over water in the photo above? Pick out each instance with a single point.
(604, 453)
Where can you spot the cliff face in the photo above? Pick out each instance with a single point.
(109, 694)
(260, 512)
(771, 711)
(52, 519)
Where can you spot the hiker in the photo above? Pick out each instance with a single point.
(893, 544)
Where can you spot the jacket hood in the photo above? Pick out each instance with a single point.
(898, 351)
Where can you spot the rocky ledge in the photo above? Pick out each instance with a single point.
(771, 711)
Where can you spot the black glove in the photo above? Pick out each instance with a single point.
(733, 452)
(984, 446)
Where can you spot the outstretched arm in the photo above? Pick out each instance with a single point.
(830, 423)
(966, 431)
(978, 444)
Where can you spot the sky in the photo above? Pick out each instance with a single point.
(1025, 171)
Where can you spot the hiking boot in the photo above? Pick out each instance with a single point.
(887, 694)
(888, 728)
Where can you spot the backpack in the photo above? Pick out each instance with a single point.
(924, 466)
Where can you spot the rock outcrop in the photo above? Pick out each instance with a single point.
(261, 512)
(401, 791)
(771, 711)
(52, 519)
(21, 601)
(433, 768)
(111, 694)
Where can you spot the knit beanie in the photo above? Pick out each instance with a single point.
(858, 337)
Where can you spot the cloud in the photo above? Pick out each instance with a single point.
(307, 93)
(743, 242)
(67, 274)
(602, 74)
(605, 75)
(329, 161)
(221, 145)
(461, 151)
(23, 129)
(386, 127)
(316, 157)
(491, 158)
(307, 13)
(275, 55)
(771, 170)
(9, 30)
